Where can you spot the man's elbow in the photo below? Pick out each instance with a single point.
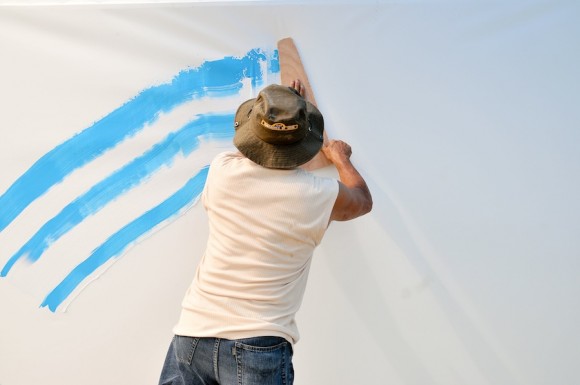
(359, 203)
(363, 207)
(365, 201)
(367, 206)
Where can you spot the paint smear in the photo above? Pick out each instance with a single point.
(213, 79)
(121, 240)
(218, 78)
(183, 141)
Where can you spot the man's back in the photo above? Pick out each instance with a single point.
(264, 226)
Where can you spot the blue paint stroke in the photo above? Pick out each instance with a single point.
(129, 234)
(216, 78)
(183, 141)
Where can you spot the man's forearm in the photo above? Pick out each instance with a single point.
(351, 178)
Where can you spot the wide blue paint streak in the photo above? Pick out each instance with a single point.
(129, 234)
(183, 141)
(213, 78)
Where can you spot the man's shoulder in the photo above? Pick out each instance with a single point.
(226, 157)
(232, 163)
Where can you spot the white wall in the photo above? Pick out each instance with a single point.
(463, 118)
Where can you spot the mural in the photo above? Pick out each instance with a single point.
(463, 119)
(217, 79)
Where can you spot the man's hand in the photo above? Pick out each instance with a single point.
(299, 87)
(337, 151)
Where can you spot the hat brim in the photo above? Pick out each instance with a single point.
(278, 156)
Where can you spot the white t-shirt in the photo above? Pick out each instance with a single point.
(263, 227)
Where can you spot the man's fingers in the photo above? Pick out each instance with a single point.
(298, 86)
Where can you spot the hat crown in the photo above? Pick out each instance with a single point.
(280, 116)
(279, 128)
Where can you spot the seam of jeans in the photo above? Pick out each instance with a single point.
(216, 348)
(194, 343)
(183, 354)
(284, 367)
(239, 368)
(258, 349)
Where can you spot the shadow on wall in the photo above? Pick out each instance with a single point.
(358, 277)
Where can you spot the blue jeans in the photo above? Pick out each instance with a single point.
(216, 361)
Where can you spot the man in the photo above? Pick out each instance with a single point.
(266, 215)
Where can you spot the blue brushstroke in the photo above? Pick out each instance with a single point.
(129, 234)
(219, 78)
(274, 63)
(183, 141)
(216, 78)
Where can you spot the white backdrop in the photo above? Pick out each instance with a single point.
(463, 117)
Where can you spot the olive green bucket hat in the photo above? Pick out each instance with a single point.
(279, 128)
